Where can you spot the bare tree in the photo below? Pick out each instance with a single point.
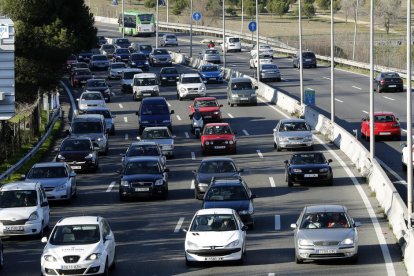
(350, 8)
(388, 11)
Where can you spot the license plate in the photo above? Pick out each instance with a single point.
(71, 267)
(83, 81)
(212, 78)
(392, 85)
(219, 147)
(384, 133)
(308, 60)
(13, 228)
(147, 94)
(326, 251)
(296, 142)
(141, 189)
(311, 175)
(244, 99)
(207, 117)
(76, 167)
(214, 258)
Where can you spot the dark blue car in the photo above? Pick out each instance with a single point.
(169, 75)
(138, 60)
(154, 111)
(121, 54)
(231, 193)
(85, 56)
(146, 49)
(211, 73)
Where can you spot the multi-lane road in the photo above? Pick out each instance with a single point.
(147, 232)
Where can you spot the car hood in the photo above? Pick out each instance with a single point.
(146, 87)
(83, 250)
(210, 74)
(155, 118)
(237, 205)
(142, 177)
(300, 134)
(309, 166)
(169, 75)
(100, 89)
(78, 155)
(93, 102)
(331, 234)
(160, 141)
(139, 61)
(209, 109)
(162, 56)
(218, 137)
(49, 182)
(16, 213)
(206, 177)
(191, 85)
(122, 55)
(212, 238)
(93, 136)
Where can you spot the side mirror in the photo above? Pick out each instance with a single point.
(185, 230)
(205, 81)
(77, 99)
(194, 172)
(56, 149)
(44, 204)
(293, 226)
(253, 196)
(286, 162)
(119, 172)
(274, 130)
(363, 119)
(245, 228)
(44, 240)
(235, 132)
(221, 105)
(137, 113)
(67, 132)
(72, 174)
(174, 136)
(22, 177)
(166, 170)
(172, 112)
(241, 170)
(191, 116)
(329, 160)
(108, 238)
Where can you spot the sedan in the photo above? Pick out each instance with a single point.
(386, 125)
(325, 232)
(106, 113)
(146, 49)
(169, 75)
(215, 235)
(269, 72)
(141, 148)
(121, 55)
(160, 57)
(99, 62)
(100, 85)
(208, 107)
(107, 50)
(115, 70)
(161, 136)
(291, 134)
(210, 55)
(218, 137)
(263, 49)
(308, 168)
(388, 81)
(58, 179)
(79, 153)
(211, 73)
(90, 99)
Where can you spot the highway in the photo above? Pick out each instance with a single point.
(148, 231)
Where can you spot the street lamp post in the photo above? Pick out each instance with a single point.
(224, 38)
(242, 17)
(156, 27)
(123, 20)
(191, 28)
(371, 84)
(257, 43)
(300, 53)
(332, 65)
(168, 4)
(355, 29)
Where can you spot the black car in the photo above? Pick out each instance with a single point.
(138, 60)
(388, 81)
(308, 168)
(308, 60)
(231, 193)
(99, 85)
(213, 167)
(85, 56)
(143, 176)
(122, 42)
(1, 255)
(169, 75)
(79, 153)
(121, 54)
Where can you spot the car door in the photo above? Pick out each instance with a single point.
(44, 205)
(276, 138)
(365, 126)
(72, 181)
(109, 244)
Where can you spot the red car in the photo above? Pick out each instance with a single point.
(218, 137)
(208, 107)
(385, 125)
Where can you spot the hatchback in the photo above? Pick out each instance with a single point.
(386, 125)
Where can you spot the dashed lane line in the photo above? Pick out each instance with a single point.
(366, 112)
(259, 153)
(110, 186)
(277, 222)
(356, 87)
(338, 100)
(192, 187)
(179, 224)
(193, 155)
(231, 116)
(125, 119)
(272, 182)
(388, 98)
(178, 117)
(121, 106)
(245, 132)
(186, 135)
(326, 78)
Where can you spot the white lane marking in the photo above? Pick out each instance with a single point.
(178, 226)
(126, 136)
(338, 100)
(231, 116)
(186, 135)
(121, 106)
(192, 187)
(277, 222)
(326, 78)
(271, 274)
(400, 179)
(356, 87)
(178, 117)
(125, 119)
(272, 182)
(366, 112)
(388, 98)
(168, 104)
(404, 130)
(192, 155)
(381, 239)
(110, 186)
(259, 153)
(245, 132)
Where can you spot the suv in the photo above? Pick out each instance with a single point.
(121, 42)
(90, 99)
(308, 60)
(241, 91)
(145, 85)
(127, 77)
(168, 39)
(79, 153)
(154, 111)
(138, 60)
(231, 44)
(121, 55)
(24, 209)
(190, 85)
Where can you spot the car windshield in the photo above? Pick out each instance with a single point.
(118, 65)
(191, 80)
(91, 96)
(294, 126)
(209, 69)
(81, 65)
(145, 81)
(206, 103)
(122, 51)
(104, 112)
(96, 83)
(138, 57)
(145, 48)
(211, 52)
(237, 86)
(320, 220)
(216, 222)
(130, 75)
(308, 158)
(142, 167)
(155, 109)
(122, 40)
(99, 58)
(217, 167)
(171, 37)
(143, 150)
(18, 198)
(82, 72)
(169, 71)
(160, 52)
(269, 66)
(76, 145)
(47, 172)
(75, 234)
(226, 193)
(234, 40)
(86, 127)
(156, 134)
(384, 118)
(221, 129)
(108, 47)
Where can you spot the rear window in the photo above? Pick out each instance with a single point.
(99, 58)
(87, 127)
(171, 36)
(308, 55)
(241, 86)
(138, 57)
(390, 75)
(234, 39)
(269, 66)
(384, 118)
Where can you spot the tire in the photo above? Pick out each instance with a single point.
(113, 265)
(231, 104)
(106, 269)
(330, 183)
(41, 233)
(298, 260)
(354, 259)
(121, 197)
(188, 263)
(1, 257)
(277, 147)
(404, 167)
(290, 183)
(109, 100)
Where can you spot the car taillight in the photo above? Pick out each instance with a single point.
(382, 81)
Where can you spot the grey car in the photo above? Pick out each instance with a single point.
(57, 179)
(210, 55)
(115, 70)
(162, 136)
(143, 148)
(106, 113)
(308, 60)
(241, 91)
(291, 134)
(325, 232)
(160, 57)
(269, 72)
(99, 62)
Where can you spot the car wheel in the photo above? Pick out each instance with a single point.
(106, 270)
(188, 263)
(290, 183)
(404, 167)
(1, 257)
(354, 259)
(294, 66)
(122, 197)
(277, 147)
(113, 265)
(330, 182)
(299, 260)
(96, 168)
(231, 104)
(362, 135)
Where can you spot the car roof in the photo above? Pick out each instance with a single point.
(91, 92)
(325, 208)
(240, 79)
(212, 159)
(144, 143)
(143, 158)
(205, 99)
(79, 220)
(221, 211)
(223, 182)
(132, 70)
(145, 75)
(88, 117)
(48, 164)
(77, 138)
(153, 99)
(19, 185)
(384, 113)
(96, 108)
(158, 127)
(190, 75)
(96, 80)
(292, 120)
(218, 124)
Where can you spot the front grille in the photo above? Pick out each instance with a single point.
(214, 252)
(326, 243)
(192, 90)
(14, 222)
(141, 184)
(162, 59)
(295, 138)
(219, 143)
(336, 255)
(71, 259)
(71, 272)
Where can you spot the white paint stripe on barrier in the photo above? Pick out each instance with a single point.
(259, 153)
(179, 224)
(125, 119)
(126, 136)
(121, 106)
(193, 155)
(277, 223)
(245, 132)
(186, 135)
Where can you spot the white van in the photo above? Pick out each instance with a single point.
(145, 85)
(232, 44)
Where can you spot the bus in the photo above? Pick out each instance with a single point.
(137, 23)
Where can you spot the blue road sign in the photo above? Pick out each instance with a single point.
(309, 97)
(252, 26)
(115, 2)
(197, 16)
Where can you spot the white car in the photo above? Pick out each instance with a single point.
(263, 49)
(231, 44)
(91, 99)
(24, 209)
(216, 234)
(160, 135)
(190, 85)
(404, 156)
(145, 85)
(263, 59)
(79, 245)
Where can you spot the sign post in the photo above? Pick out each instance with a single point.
(309, 97)
(252, 27)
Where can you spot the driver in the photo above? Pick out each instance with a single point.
(211, 44)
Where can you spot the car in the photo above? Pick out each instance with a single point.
(1, 254)
(211, 73)
(121, 42)
(404, 156)
(208, 107)
(168, 40)
(308, 168)
(134, 48)
(264, 49)
(218, 137)
(84, 56)
(240, 90)
(57, 179)
(108, 50)
(138, 60)
(78, 65)
(90, 99)
(79, 153)
(115, 70)
(210, 56)
(127, 79)
(24, 209)
(99, 85)
(269, 72)
(190, 85)
(388, 81)
(325, 232)
(145, 48)
(264, 59)
(154, 111)
(83, 245)
(101, 40)
(106, 113)
(218, 167)
(162, 136)
(168, 75)
(159, 56)
(99, 62)
(121, 55)
(142, 148)
(145, 85)
(231, 44)
(215, 235)
(71, 61)
(386, 125)
(308, 60)
(143, 176)
(292, 134)
(80, 76)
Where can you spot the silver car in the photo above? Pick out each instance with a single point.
(57, 179)
(325, 232)
(269, 72)
(292, 133)
(162, 136)
(106, 113)
(142, 148)
(115, 70)
(210, 55)
(168, 39)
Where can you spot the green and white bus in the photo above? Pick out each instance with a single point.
(138, 23)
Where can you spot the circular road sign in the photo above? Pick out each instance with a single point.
(197, 16)
(252, 26)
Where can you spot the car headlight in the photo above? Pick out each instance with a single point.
(216, 112)
(183, 89)
(233, 244)
(202, 184)
(234, 96)
(89, 156)
(296, 170)
(155, 89)
(99, 139)
(347, 241)
(124, 183)
(133, 63)
(34, 216)
(253, 95)
(323, 170)
(107, 91)
(49, 258)
(61, 187)
(146, 62)
(231, 142)
(158, 182)
(207, 143)
(144, 122)
(93, 256)
(226, 142)
(164, 78)
(303, 242)
(202, 88)
(61, 157)
(192, 245)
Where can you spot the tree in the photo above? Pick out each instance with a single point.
(350, 8)
(308, 10)
(150, 4)
(388, 11)
(326, 4)
(214, 8)
(250, 7)
(279, 7)
(179, 6)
